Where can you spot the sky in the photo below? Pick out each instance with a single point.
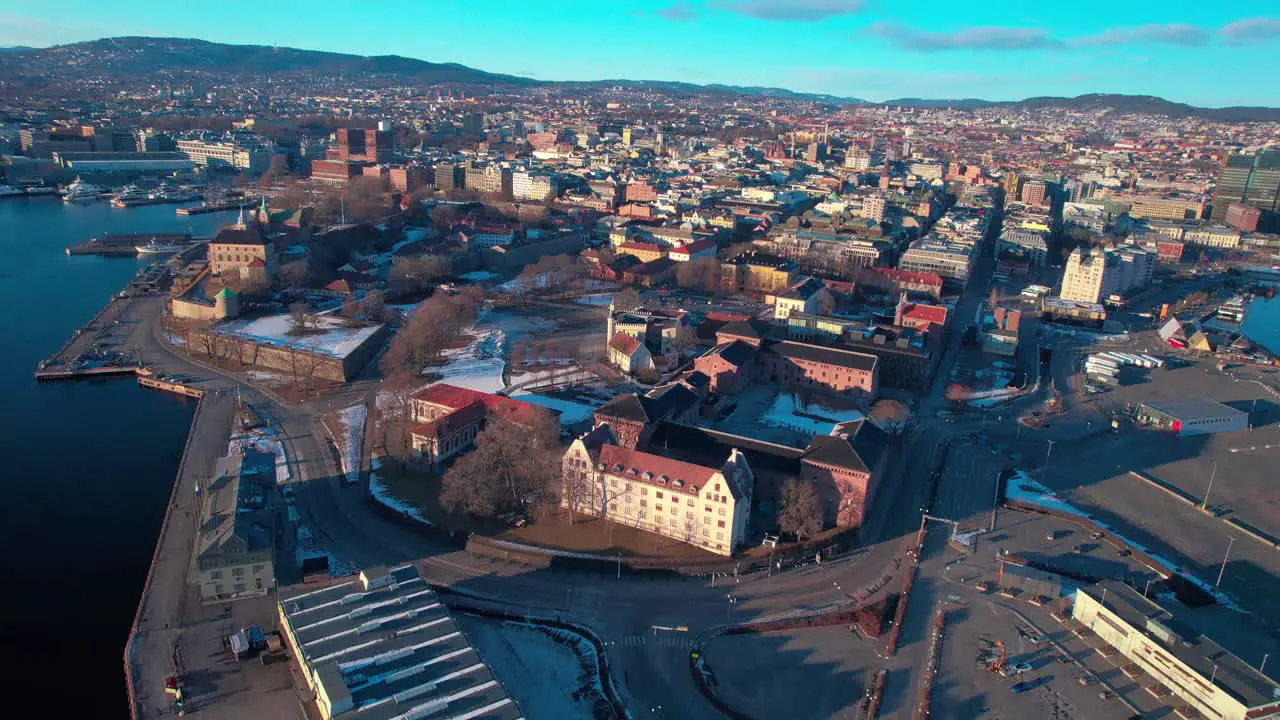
(1191, 51)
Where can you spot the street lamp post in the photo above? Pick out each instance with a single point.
(1223, 569)
(1212, 474)
(1048, 454)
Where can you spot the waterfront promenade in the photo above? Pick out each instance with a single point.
(157, 630)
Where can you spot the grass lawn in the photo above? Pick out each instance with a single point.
(421, 489)
(596, 535)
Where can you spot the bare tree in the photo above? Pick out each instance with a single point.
(826, 302)
(416, 274)
(299, 317)
(891, 415)
(627, 299)
(207, 340)
(297, 274)
(374, 306)
(702, 274)
(800, 509)
(515, 465)
(278, 169)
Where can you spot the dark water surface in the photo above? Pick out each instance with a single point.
(87, 466)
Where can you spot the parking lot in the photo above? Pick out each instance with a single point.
(1094, 474)
(967, 688)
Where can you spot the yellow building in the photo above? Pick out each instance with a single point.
(244, 249)
(1191, 672)
(1155, 208)
(757, 272)
(703, 506)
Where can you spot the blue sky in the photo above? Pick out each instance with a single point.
(1202, 53)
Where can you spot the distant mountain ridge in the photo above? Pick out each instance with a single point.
(1101, 101)
(175, 57)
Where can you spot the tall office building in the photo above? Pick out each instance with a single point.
(1252, 180)
(450, 176)
(1094, 274)
(1034, 192)
(360, 144)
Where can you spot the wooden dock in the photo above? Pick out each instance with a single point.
(85, 373)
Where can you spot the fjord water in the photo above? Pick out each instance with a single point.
(87, 466)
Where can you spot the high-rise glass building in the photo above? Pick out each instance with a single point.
(1252, 180)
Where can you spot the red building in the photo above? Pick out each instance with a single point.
(641, 192)
(1169, 251)
(892, 280)
(409, 179)
(359, 144)
(732, 364)
(336, 171)
(450, 417)
(919, 316)
(1243, 217)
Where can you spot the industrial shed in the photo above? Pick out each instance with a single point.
(1193, 417)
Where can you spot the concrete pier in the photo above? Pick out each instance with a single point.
(154, 648)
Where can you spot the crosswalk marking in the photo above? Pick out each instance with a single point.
(667, 640)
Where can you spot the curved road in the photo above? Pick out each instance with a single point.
(651, 665)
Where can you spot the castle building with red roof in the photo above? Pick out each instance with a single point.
(447, 418)
(697, 504)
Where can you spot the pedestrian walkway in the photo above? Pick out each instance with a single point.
(662, 639)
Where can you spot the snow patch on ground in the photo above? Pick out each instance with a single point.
(336, 338)
(477, 366)
(553, 673)
(1022, 488)
(571, 413)
(262, 440)
(790, 411)
(384, 496)
(351, 439)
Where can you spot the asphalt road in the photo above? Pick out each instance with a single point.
(652, 673)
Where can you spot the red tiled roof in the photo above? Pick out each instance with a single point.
(624, 343)
(931, 313)
(257, 263)
(655, 470)
(339, 286)
(728, 317)
(911, 276)
(460, 399)
(639, 246)
(694, 247)
(450, 396)
(452, 423)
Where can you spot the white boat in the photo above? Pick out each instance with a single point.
(80, 191)
(128, 194)
(10, 191)
(155, 248)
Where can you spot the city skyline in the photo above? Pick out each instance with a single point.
(1187, 53)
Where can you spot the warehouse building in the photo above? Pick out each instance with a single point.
(1195, 416)
(381, 646)
(1197, 676)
